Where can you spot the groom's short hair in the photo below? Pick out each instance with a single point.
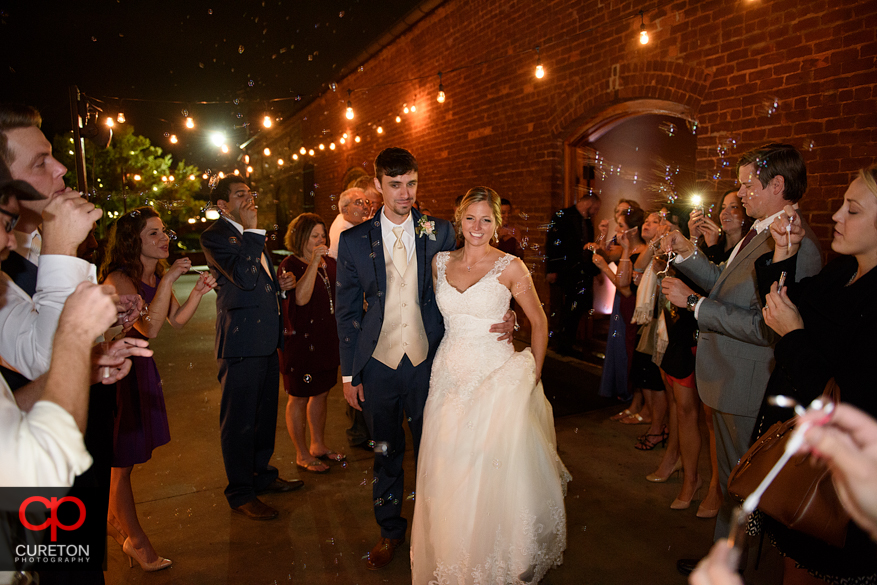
(393, 162)
(222, 190)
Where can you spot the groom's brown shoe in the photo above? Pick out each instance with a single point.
(382, 553)
(256, 509)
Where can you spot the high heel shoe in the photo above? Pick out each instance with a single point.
(684, 504)
(649, 441)
(655, 478)
(703, 512)
(156, 565)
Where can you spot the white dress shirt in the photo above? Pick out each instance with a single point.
(390, 238)
(27, 325)
(339, 224)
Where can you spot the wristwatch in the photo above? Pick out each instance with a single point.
(691, 302)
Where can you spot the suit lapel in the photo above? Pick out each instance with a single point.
(376, 252)
(755, 246)
(420, 252)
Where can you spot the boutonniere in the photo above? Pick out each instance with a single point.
(425, 228)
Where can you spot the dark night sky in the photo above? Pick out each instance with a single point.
(183, 51)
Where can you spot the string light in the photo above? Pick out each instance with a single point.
(190, 123)
(405, 108)
(191, 177)
(217, 139)
(224, 148)
(249, 170)
(246, 159)
(137, 177)
(171, 178)
(414, 105)
(643, 35)
(342, 140)
(441, 94)
(540, 72)
(398, 119)
(311, 152)
(237, 172)
(356, 139)
(294, 156)
(121, 118)
(303, 150)
(221, 175)
(279, 162)
(349, 106)
(380, 130)
(321, 147)
(331, 146)
(344, 135)
(267, 151)
(174, 139)
(110, 122)
(266, 121)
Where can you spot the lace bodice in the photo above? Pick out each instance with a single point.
(486, 300)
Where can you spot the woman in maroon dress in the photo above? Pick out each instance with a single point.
(135, 264)
(310, 356)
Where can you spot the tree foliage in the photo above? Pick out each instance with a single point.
(132, 172)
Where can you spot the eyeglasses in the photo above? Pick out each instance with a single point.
(13, 220)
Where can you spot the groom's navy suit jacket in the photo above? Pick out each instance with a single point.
(362, 269)
(247, 321)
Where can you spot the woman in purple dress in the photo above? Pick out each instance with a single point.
(310, 356)
(135, 263)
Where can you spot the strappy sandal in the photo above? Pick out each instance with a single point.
(623, 414)
(648, 441)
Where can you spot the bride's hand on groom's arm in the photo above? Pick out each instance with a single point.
(354, 395)
(507, 327)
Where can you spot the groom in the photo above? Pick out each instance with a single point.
(387, 351)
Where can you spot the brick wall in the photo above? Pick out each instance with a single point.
(725, 62)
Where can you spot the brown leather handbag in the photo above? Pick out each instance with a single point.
(802, 496)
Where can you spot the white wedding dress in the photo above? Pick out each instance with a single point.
(490, 486)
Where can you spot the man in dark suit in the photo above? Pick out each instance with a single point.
(387, 352)
(569, 269)
(248, 335)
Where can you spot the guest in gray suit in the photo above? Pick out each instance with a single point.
(735, 346)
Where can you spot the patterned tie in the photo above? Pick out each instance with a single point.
(400, 257)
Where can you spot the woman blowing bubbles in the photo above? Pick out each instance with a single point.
(136, 264)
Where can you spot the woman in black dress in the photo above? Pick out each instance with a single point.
(827, 324)
(310, 356)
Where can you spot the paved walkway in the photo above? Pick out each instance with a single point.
(621, 530)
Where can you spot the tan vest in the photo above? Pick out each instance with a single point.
(402, 332)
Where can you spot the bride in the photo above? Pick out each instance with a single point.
(490, 485)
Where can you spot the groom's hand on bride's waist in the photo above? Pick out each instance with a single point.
(507, 327)
(354, 395)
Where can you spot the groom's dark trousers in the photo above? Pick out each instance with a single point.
(390, 396)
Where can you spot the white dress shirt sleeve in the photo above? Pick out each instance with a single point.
(43, 447)
(27, 325)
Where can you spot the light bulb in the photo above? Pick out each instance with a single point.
(413, 108)
(405, 109)
(294, 156)
(441, 96)
(237, 172)
(342, 140)
(311, 152)
(224, 148)
(267, 151)
(321, 147)
(164, 178)
(211, 214)
(191, 177)
(344, 135)
(246, 159)
(349, 113)
(643, 35)
(380, 130)
(540, 72)
(190, 123)
(331, 146)
(279, 162)
(249, 169)
(110, 122)
(303, 150)
(137, 177)
(398, 119)
(121, 118)
(266, 121)
(221, 175)
(192, 220)
(174, 139)
(217, 138)
(171, 178)
(356, 139)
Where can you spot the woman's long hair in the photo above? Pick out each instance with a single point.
(124, 245)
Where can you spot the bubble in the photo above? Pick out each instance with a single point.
(692, 126)
(236, 101)
(341, 14)
(311, 348)
(251, 83)
(209, 11)
(668, 128)
(310, 57)
(235, 330)
(307, 378)
(523, 215)
(240, 49)
(372, 255)
(497, 463)
(771, 106)
(810, 145)
(94, 39)
(381, 447)
(333, 85)
(379, 502)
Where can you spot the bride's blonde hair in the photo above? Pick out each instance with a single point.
(477, 195)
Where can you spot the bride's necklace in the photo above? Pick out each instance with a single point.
(469, 268)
